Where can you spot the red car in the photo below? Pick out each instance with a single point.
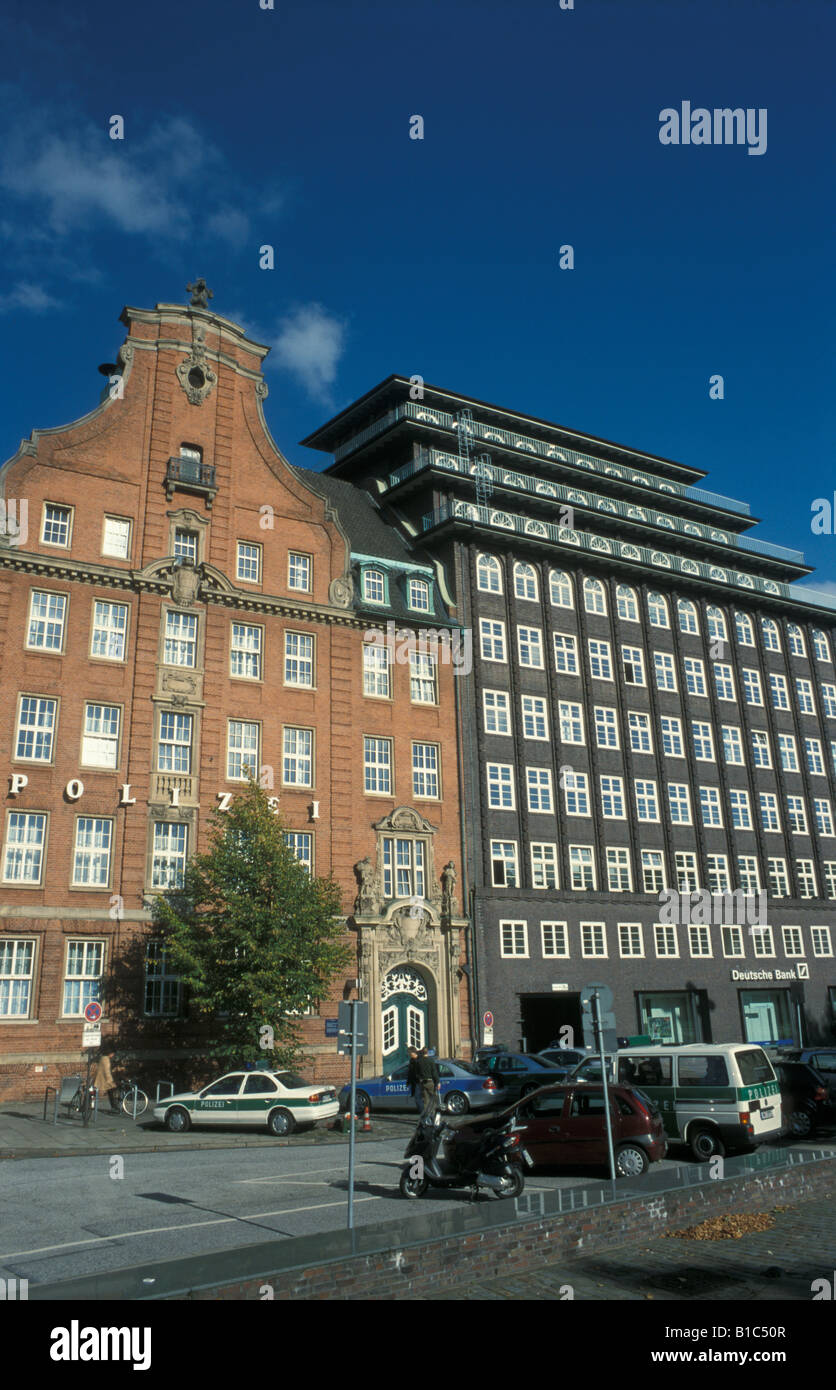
(566, 1126)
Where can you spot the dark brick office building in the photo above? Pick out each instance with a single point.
(652, 707)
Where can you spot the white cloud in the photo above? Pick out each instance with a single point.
(824, 586)
(309, 343)
(230, 225)
(28, 297)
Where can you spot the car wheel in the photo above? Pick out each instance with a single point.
(362, 1101)
(177, 1120)
(513, 1186)
(281, 1122)
(412, 1187)
(456, 1102)
(801, 1123)
(631, 1161)
(704, 1143)
(526, 1090)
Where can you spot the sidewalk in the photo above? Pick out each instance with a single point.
(25, 1134)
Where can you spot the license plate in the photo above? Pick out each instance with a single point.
(527, 1159)
(768, 1113)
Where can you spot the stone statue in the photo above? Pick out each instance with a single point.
(448, 885)
(201, 294)
(368, 897)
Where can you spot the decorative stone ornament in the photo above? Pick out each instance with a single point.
(200, 294)
(341, 591)
(194, 374)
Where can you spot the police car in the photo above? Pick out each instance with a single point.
(462, 1089)
(280, 1100)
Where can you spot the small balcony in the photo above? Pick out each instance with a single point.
(163, 784)
(190, 475)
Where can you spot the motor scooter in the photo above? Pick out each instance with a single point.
(441, 1157)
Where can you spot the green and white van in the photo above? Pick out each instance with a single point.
(712, 1096)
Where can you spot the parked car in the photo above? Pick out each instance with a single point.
(519, 1072)
(565, 1058)
(821, 1059)
(492, 1051)
(463, 1089)
(805, 1099)
(281, 1100)
(565, 1125)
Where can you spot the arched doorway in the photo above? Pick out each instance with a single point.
(405, 1009)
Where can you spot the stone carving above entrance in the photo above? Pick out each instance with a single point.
(402, 982)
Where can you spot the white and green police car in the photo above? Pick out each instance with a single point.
(280, 1100)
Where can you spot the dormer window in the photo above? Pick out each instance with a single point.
(374, 586)
(418, 595)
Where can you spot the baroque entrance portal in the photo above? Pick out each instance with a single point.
(404, 1016)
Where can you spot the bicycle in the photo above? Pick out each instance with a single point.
(82, 1101)
(125, 1092)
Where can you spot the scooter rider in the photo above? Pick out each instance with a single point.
(429, 1079)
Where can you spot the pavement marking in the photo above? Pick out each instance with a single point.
(335, 1173)
(182, 1226)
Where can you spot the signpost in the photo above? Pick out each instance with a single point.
(91, 1037)
(596, 1002)
(353, 1037)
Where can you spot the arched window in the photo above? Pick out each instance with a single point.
(594, 596)
(795, 640)
(374, 586)
(628, 609)
(745, 631)
(688, 620)
(418, 594)
(716, 625)
(821, 646)
(771, 638)
(525, 581)
(560, 589)
(489, 574)
(657, 611)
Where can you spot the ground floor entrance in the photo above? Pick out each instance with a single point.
(405, 1021)
(542, 1016)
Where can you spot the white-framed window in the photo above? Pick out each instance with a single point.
(513, 938)
(543, 864)
(829, 872)
(501, 786)
(688, 620)
(100, 736)
(109, 630)
(23, 856)
(594, 596)
(763, 944)
(797, 815)
(299, 570)
(733, 745)
(741, 814)
(779, 691)
(242, 749)
(665, 939)
(492, 639)
(699, 941)
(299, 659)
(665, 668)
(47, 618)
(795, 640)
(426, 769)
(828, 699)
(374, 586)
(671, 728)
(300, 843)
(657, 610)
(391, 1036)
(679, 803)
(423, 678)
(530, 646)
(761, 755)
(525, 581)
(777, 877)
(771, 638)
(792, 941)
(748, 873)
(539, 786)
(570, 715)
(180, 640)
(555, 940)
(820, 937)
(815, 761)
(168, 865)
(612, 797)
(245, 651)
(770, 819)
(751, 685)
(703, 739)
(694, 675)
(639, 727)
(35, 731)
(377, 765)
(630, 939)
(17, 972)
(174, 745)
(185, 544)
(606, 727)
(788, 752)
(647, 800)
(804, 693)
(404, 867)
(535, 719)
(628, 608)
(489, 575)
(376, 672)
(724, 681)
(745, 631)
(504, 867)
(619, 872)
(732, 940)
(116, 537)
(716, 625)
(653, 871)
(806, 875)
(821, 646)
(91, 852)
(823, 813)
(717, 873)
(496, 707)
(247, 562)
(82, 976)
(57, 525)
(632, 664)
(163, 988)
(581, 867)
(565, 653)
(600, 660)
(418, 595)
(833, 754)
(593, 939)
(560, 589)
(687, 873)
(297, 757)
(710, 806)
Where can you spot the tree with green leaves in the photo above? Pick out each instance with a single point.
(254, 937)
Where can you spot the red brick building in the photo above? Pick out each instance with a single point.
(181, 606)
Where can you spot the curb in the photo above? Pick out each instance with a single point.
(327, 1137)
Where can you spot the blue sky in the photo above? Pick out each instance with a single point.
(290, 127)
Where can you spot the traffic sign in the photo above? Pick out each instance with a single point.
(487, 1019)
(91, 1035)
(93, 1012)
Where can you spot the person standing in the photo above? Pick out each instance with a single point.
(430, 1079)
(102, 1079)
(414, 1081)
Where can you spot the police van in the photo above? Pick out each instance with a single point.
(713, 1097)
